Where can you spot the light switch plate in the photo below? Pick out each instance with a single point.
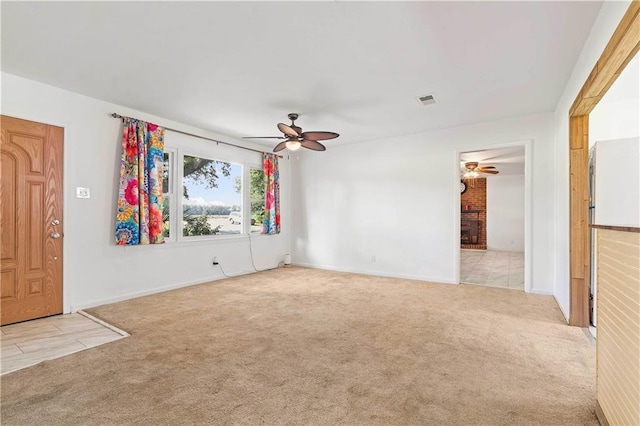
(83, 192)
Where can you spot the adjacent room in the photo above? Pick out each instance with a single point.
(320, 213)
(492, 217)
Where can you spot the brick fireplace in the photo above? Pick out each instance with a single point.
(469, 231)
(473, 217)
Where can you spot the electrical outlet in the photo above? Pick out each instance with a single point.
(373, 259)
(83, 192)
(215, 260)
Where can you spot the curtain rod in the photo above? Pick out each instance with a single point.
(114, 115)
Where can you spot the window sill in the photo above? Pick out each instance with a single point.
(205, 240)
(195, 242)
(258, 236)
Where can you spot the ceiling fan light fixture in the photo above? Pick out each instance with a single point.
(293, 145)
(294, 138)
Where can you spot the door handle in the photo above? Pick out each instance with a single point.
(55, 235)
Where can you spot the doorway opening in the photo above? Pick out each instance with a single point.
(492, 217)
(614, 144)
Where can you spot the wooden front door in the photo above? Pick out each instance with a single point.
(30, 220)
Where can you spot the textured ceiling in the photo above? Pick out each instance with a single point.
(238, 68)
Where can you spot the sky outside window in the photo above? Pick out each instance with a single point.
(200, 193)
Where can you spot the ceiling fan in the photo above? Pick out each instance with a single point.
(473, 170)
(294, 137)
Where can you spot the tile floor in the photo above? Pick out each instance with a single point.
(28, 343)
(492, 268)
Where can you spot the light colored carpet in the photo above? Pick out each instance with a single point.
(304, 346)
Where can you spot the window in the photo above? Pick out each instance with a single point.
(168, 200)
(212, 197)
(256, 197)
(207, 197)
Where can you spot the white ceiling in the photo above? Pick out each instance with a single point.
(508, 161)
(238, 68)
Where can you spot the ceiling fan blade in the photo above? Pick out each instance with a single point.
(280, 146)
(314, 145)
(264, 137)
(319, 136)
(487, 167)
(287, 130)
(490, 172)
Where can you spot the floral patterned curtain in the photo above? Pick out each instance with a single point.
(271, 224)
(139, 216)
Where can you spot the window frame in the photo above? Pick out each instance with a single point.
(252, 166)
(172, 154)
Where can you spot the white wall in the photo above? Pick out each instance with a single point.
(608, 19)
(96, 271)
(615, 120)
(505, 213)
(617, 182)
(398, 200)
(617, 115)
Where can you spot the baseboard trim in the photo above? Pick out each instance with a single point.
(374, 273)
(565, 314)
(136, 294)
(600, 415)
(541, 292)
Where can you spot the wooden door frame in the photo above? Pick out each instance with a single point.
(622, 47)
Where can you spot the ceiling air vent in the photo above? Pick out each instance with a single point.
(427, 100)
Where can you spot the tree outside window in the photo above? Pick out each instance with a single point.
(211, 204)
(167, 193)
(256, 196)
